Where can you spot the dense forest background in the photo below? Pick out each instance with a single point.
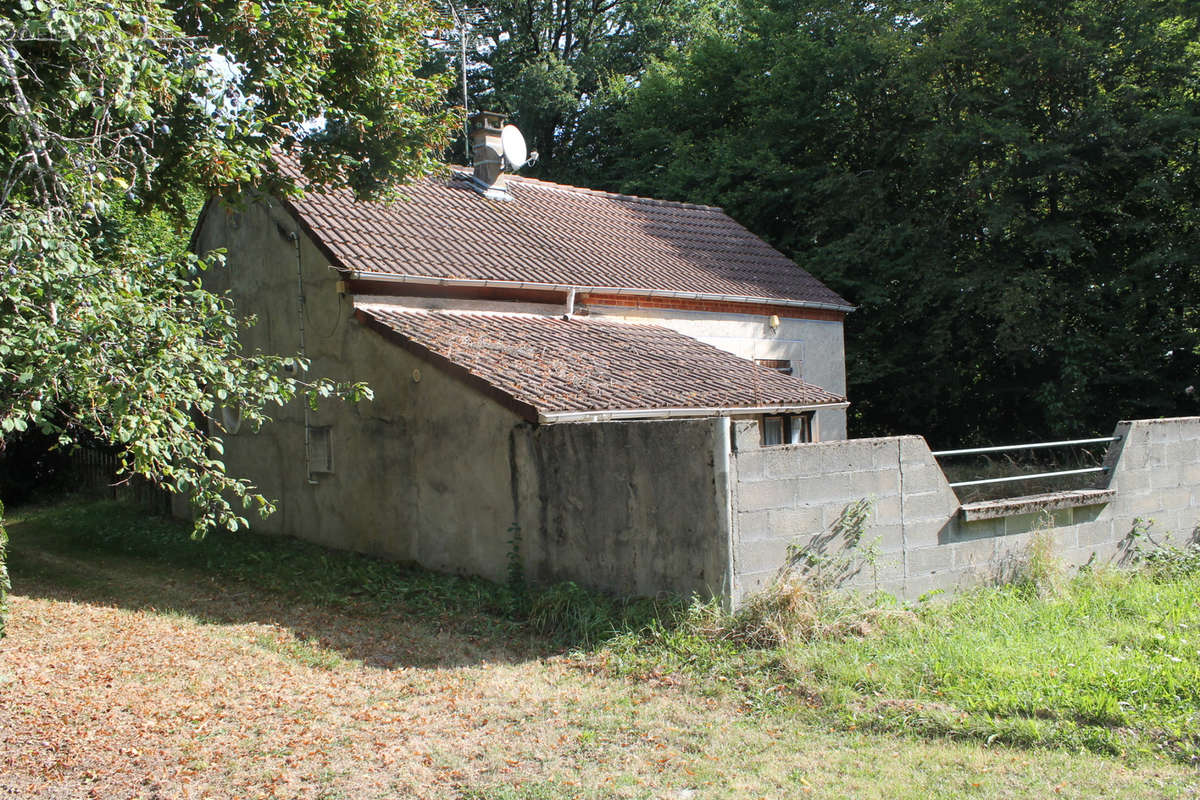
(1007, 190)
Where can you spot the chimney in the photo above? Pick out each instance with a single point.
(487, 154)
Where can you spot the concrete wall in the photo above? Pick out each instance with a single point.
(636, 507)
(792, 497)
(815, 347)
(435, 472)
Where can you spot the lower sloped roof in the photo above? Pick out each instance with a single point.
(552, 368)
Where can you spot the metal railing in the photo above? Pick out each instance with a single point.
(1034, 446)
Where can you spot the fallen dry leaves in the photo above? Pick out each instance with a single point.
(107, 693)
(241, 694)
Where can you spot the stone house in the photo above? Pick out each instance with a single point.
(544, 358)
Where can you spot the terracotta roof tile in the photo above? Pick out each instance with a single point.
(577, 364)
(554, 234)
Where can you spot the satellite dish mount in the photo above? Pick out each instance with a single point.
(497, 149)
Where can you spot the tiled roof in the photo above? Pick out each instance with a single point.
(559, 235)
(551, 365)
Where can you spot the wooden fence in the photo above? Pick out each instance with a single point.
(95, 471)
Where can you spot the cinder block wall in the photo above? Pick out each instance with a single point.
(788, 499)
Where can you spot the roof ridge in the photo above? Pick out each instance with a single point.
(566, 187)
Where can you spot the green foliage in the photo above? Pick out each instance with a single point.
(120, 116)
(1164, 560)
(1007, 191)
(549, 63)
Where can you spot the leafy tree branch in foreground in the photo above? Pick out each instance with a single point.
(117, 116)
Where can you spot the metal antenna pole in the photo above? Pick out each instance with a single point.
(461, 22)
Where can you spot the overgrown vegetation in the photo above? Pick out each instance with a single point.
(1106, 661)
(565, 614)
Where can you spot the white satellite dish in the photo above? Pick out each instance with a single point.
(513, 145)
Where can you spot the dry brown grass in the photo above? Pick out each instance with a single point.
(792, 610)
(106, 692)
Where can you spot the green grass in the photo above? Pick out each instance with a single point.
(1109, 662)
(279, 665)
(565, 613)
(1105, 661)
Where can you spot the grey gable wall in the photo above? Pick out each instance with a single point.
(436, 472)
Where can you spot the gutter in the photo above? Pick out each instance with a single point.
(550, 417)
(423, 280)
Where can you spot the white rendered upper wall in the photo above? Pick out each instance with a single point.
(816, 348)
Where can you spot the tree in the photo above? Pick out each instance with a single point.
(118, 112)
(1008, 191)
(546, 63)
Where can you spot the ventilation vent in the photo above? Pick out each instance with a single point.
(320, 450)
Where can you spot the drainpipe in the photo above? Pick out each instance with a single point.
(722, 465)
(300, 302)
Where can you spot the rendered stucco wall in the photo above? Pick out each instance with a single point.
(792, 497)
(435, 472)
(636, 507)
(816, 347)
(420, 473)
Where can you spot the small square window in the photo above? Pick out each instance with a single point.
(778, 364)
(787, 429)
(320, 449)
(772, 430)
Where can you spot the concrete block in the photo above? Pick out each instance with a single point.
(879, 483)
(929, 506)
(1191, 474)
(927, 560)
(981, 529)
(763, 555)
(890, 537)
(803, 520)
(759, 495)
(1176, 499)
(1100, 532)
(745, 435)
(1156, 456)
(928, 533)
(1131, 480)
(750, 583)
(887, 455)
(1170, 477)
(914, 450)
(754, 525)
(851, 455)
(924, 478)
(792, 462)
(1133, 456)
(870, 578)
(1162, 431)
(887, 510)
(1025, 523)
(750, 466)
(824, 489)
(947, 582)
(974, 553)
